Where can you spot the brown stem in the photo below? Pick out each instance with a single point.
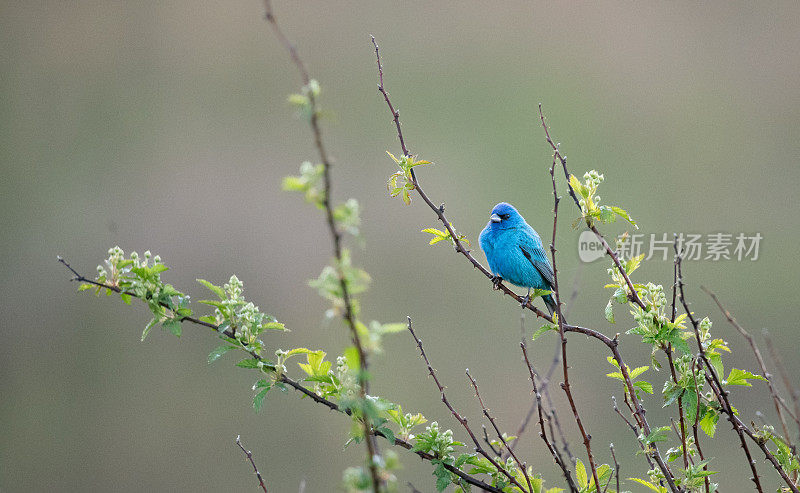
(543, 433)
(616, 467)
(497, 431)
(776, 399)
(611, 344)
(632, 293)
(587, 438)
(461, 419)
(668, 352)
(252, 462)
(787, 382)
(721, 393)
(697, 420)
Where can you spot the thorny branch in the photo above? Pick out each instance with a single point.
(522, 467)
(543, 433)
(461, 419)
(777, 399)
(587, 438)
(715, 382)
(252, 462)
(349, 316)
(285, 380)
(460, 248)
(612, 343)
(787, 382)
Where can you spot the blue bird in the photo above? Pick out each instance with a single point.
(515, 253)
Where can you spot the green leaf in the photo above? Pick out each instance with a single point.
(258, 400)
(218, 352)
(85, 286)
(149, 326)
(645, 386)
(388, 433)
(657, 435)
(609, 312)
(633, 264)
(126, 298)
(580, 474)
(638, 371)
(172, 325)
(543, 329)
(576, 185)
(248, 363)
(214, 289)
(650, 485)
(716, 361)
(442, 477)
(690, 404)
(624, 214)
(709, 422)
(739, 377)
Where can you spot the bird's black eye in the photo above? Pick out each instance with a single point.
(504, 216)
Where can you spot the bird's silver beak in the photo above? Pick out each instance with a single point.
(495, 218)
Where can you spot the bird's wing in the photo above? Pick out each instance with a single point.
(531, 246)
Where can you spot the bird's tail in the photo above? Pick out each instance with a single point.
(551, 306)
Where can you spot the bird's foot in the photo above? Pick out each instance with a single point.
(496, 280)
(525, 300)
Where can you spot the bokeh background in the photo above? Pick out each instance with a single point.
(165, 126)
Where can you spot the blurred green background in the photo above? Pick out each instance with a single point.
(164, 126)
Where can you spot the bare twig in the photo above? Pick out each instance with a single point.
(461, 419)
(776, 399)
(714, 381)
(500, 436)
(488, 441)
(616, 468)
(632, 294)
(542, 432)
(336, 237)
(252, 462)
(587, 438)
(634, 429)
(610, 343)
(787, 382)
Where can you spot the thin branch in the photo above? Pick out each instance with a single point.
(395, 113)
(543, 433)
(545, 390)
(439, 210)
(488, 441)
(285, 380)
(695, 362)
(252, 462)
(776, 399)
(635, 431)
(611, 343)
(716, 386)
(616, 468)
(633, 295)
(497, 431)
(587, 438)
(461, 419)
(682, 434)
(787, 382)
(336, 237)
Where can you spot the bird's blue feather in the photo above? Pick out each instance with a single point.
(514, 251)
